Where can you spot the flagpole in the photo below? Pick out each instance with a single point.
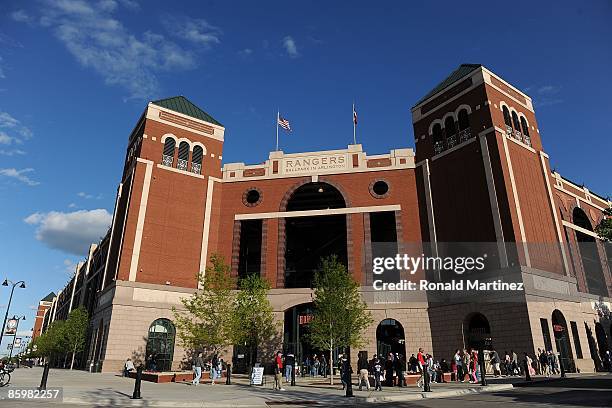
(277, 119)
(354, 126)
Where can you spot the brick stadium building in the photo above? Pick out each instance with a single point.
(478, 174)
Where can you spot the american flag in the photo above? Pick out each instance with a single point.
(354, 115)
(284, 123)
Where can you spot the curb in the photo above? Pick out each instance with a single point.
(441, 394)
(147, 403)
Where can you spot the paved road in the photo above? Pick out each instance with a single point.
(108, 390)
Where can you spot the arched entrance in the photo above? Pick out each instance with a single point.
(160, 344)
(296, 331)
(476, 330)
(390, 338)
(308, 239)
(602, 341)
(562, 341)
(589, 253)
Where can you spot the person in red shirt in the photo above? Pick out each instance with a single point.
(278, 372)
(421, 365)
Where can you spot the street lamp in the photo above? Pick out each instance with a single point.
(18, 318)
(7, 283)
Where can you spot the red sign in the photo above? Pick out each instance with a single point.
(304, 319)
(558, 328)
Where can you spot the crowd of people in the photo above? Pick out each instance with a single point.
(390, 370)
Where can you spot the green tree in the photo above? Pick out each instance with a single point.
(340, 316)
(604, 228)
(51, 342)
(74, 332)
(205, 324)
(253, 322)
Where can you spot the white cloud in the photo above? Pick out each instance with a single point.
(5, 139)
(196, 30)
(20, 16)
(12, 152)
(15, 131)
(245, 52)
(84, 195)
(98, 40)
(290, 47)
(69, 266)
(71, 232)
(19, 175)
(72, 205)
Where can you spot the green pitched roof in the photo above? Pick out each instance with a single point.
(48, 298)
(183, 105)
(463, 70)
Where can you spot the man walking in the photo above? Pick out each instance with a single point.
(197, 369)
(495, 363)
(459, 364)
(289, 366)
(362, 369)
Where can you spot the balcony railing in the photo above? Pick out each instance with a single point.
(181, 164)
(438, 147)
(508, 130)
(517, 135)
(167, 160)
(527, 140)
(453, 140)
(196, 168)
(464, 135)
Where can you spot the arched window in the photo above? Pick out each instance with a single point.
(449, 126)
(524, 126)
(515, 122)
(589, 253)
(507, 120)
(451, 131)
(196, 160)
(168, 156)
(160, 345)
(437, 138)
(183, 156)
(464, 120)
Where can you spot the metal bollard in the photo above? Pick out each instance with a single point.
(349, 387)
(43, 380)
(293, 376)
(527, 375)
(483, 369)
(562, 368)
(136, 394)
(228, 380)
(426, 385)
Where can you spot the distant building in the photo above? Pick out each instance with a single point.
(479, 175)
(43, 305)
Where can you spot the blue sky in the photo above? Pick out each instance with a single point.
(75, 76)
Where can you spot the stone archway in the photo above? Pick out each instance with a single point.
(390, 338)
(304, 240)
(562, 342)
(476, 329)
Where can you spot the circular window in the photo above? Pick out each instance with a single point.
(251, 197)
(379, 189)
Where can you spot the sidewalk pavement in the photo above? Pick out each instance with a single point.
(80, 387)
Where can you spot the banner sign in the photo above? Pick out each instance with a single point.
(11, 327)
(18, 342)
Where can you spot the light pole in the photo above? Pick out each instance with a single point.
(18, 318)
(7, 283)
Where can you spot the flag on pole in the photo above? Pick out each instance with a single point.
(354, 115)
(284, 123)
